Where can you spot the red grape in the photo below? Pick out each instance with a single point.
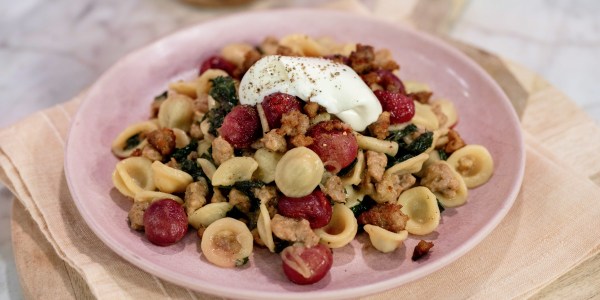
(217, 62)
(165, 222)
(313, 207)
(277, 104)
(241, 126)
(304, 265)
(400, 106)
(334, 143)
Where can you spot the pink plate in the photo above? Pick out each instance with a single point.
(123, 94)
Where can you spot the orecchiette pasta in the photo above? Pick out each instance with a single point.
(415, 86)
(152, 196)
(354, 177)
(375, 144)
(353, 197)
(320, 118)
(176, 112)
(181, 138)
(170, 180)
(409, 166)
(341, 229)
(208, 214)
(299, 162)
(448, 109)
(133, 175)
(236, 53)
(474, 163)
(425, 117)
(227, 242)
(264, 228)
(182, 87)
(208, 167)
(132, 138)
(302, 44)
(384, 240)
(267, 163)
(233, 170)
(461, 194)
(420, 205)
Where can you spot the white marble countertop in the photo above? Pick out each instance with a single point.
(51, 50)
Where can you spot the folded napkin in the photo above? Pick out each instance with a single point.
(539, 239)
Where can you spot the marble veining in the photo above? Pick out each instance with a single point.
(51, 50)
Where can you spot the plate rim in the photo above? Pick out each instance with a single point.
(393, 282)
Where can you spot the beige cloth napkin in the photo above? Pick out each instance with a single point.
(551, 227)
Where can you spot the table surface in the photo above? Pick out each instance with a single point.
(51, 51)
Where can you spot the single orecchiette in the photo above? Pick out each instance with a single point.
(448, 109)
(320, 118)
(474, 163)
(353, 197)
(236, 53)
(298, 172)
(409, 166)
(203, 147)
(302, 44)
(415, 86)
(176, 112)
(227, 243)
(209, 213)
(267, 162)
(420, 205)
(182, 87)
(425, 117)
(133, 175)
(233, 170)
(385, 240)
(170, 180)
(341, 229)
(461, 194)
(208, 167)
(264, 228)
(181, 138)
(152, 196)
(130, 138)
(375, 144)
(354, 177)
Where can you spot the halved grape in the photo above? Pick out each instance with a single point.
(277, 104)
(165, 222)
(314, 207)
(334, 143)
(241, 126)
(400, 106)
(304, 265)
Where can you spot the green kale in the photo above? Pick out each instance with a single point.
(364, 205)
(398, 136)
(440, 206)
(406, 150)
(443, 154)
(160, 97)
(215, 118)
(280, 244)
(241, 262)
(181, 154)
(191, 167)
(132, 142)
(347, 169)
(224, 93)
